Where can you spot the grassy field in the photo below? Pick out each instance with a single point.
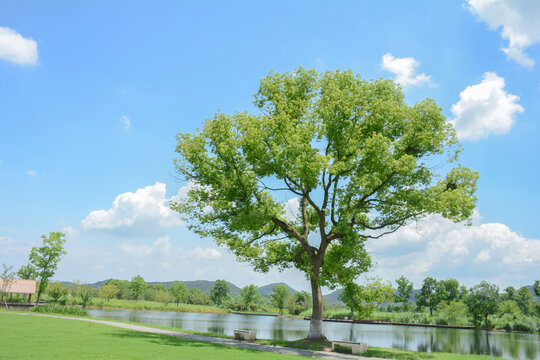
(28, 337)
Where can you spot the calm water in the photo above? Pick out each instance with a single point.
(499, 344)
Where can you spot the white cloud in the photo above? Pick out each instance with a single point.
(162, 246)
(405, 70)
(518, 20)
(484, 109)
(291, 208)
(16, 48)
(206, 254)
(442, 249)
(126, 122)
(143, 212)
(31, 173)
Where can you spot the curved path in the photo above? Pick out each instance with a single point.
(228, 342)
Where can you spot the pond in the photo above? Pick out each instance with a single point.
(465, 341)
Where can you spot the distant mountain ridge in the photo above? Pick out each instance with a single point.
(265, 291)
(203, 285)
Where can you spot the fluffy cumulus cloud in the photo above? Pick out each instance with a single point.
(440, 248)
(143, 212)
(485, 108)
(16, 48)
(518, 20)
(291, 208)
(404, 70)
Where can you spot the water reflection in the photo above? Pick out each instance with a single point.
(499, 344)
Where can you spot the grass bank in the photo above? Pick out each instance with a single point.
(30, 337)
(48, 338)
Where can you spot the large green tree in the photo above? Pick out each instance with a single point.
(179, 291)
(279, 296)
(220, 292)
(359, 160)
(43, 260)
(137, 285)
(404, 291)
(482, 301)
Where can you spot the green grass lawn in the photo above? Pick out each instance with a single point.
(30, 337)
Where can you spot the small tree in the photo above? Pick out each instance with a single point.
(279, 296)
(482, 301)
(27, 272)
(509, 293)
(365, 299)
(448, 290)
(163, 297)
(523, 298)
(137, 286)
(219, 292)
(179, 291)
(86, 294)
(404, 291)
(299, 302)
(56, 291)
(198, 297)
(536, 287)
(108, 291)
(430, 295)
(44, 260)
(250, 297)
(6, 280)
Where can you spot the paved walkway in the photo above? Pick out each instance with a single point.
(228, 342)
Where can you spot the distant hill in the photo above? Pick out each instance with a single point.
(265, 291)
(268, 289)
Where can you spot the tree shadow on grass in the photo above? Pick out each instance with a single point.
(168, 340)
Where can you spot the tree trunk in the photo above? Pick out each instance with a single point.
(315, 325)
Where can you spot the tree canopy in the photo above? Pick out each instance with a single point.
(358, 161)
(43, 260)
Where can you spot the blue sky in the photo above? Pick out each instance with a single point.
(92, 94)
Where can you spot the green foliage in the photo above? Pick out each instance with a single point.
(220, 292)
(27, 272)
(179, 291)
(536, 287)
(524, 298)
(365, 299)
(449, 290)
(482, 301)
(7, 277)
(164, 297)
(404, 291)
(251, 297)
(454, 311)
(59, 309)
(86, 293)
(137, 286)
(299, 302)
(509, 293)
(345, 147)
(56, 291)
(124, 291)
(43, 260)
(279, 297)
(430, 295)
(197, 297)
(108, 291)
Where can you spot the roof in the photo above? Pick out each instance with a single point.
(19, 286)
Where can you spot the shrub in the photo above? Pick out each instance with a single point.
(59, 309)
